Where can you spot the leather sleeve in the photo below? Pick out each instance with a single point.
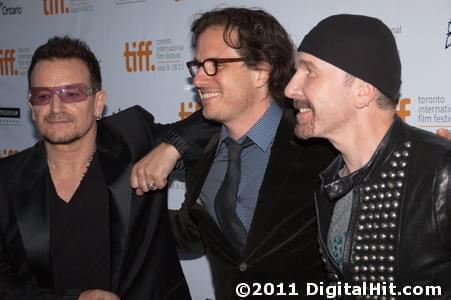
(136, 126)
(191, 135)
(442, 197)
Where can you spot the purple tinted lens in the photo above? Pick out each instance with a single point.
(40, 96)
(68, 94)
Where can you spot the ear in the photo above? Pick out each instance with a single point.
(366, 93)
(99, 103)
(262, 74)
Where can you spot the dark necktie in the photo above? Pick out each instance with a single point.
(225, 201)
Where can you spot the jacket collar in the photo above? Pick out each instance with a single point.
(26, 177)
(336, 186)
(280, 162)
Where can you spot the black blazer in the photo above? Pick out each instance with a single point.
(144, 263)
(282, 240)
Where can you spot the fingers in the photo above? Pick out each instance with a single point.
(139, 192)
(98, 295)
(444, 133)
(151, 186)
(152, 171)
(143, 180)
(134, 178)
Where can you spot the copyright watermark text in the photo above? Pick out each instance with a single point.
(253, 289)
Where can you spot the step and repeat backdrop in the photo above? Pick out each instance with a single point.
(143, 46)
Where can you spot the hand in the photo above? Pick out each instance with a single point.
(152, 171)
(444, 133)
(97, 295)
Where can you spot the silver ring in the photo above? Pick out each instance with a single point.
(152, 186)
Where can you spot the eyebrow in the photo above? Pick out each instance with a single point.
(306, 63)
(302, 63)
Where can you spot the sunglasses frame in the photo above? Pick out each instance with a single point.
(60, 91)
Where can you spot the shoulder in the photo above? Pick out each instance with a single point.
(127, 118)
(133, 127)
(24, 168)
(20, 159)
(426, 139)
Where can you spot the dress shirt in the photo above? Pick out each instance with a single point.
(254, 160)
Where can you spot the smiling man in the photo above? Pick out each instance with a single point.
(249, 200)
(385, 201)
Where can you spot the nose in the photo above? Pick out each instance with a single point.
(200, 78)
(294, 87)
(56, 104)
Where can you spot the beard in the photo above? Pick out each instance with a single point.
(64, 140)
(304, 130)
(63, 136)
(305, 126)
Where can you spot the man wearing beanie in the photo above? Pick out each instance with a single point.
(384, 206)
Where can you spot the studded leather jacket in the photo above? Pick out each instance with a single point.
(400, 225)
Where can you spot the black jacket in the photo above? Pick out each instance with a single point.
(400, 224)
(144, 263)
(281, 244)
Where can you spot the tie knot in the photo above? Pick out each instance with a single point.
(235, 148)
(232, 144)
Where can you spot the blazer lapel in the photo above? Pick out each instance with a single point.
(32, 211)
(195, 180)
(197, 174)
(116, 167)
(284, 152)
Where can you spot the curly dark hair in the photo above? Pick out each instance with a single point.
(65, 48)
(261, 39)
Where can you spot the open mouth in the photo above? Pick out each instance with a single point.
(208, 94)
(303, 106)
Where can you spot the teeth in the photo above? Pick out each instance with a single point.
(205, 95)
(304, 110)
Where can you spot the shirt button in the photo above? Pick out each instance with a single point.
(243, 267)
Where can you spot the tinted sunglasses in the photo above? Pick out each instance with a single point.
(68, 94)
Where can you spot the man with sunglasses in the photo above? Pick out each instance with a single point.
(249, 199)
(70, 226)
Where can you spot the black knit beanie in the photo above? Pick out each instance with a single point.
(360, 45)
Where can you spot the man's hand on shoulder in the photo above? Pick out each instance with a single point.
(152, 171)
(98, 295)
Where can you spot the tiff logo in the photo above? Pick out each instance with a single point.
(7, 60)
(403, 112)
(448, 36)
(186, 111)
(54, 7)
(137, 57)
